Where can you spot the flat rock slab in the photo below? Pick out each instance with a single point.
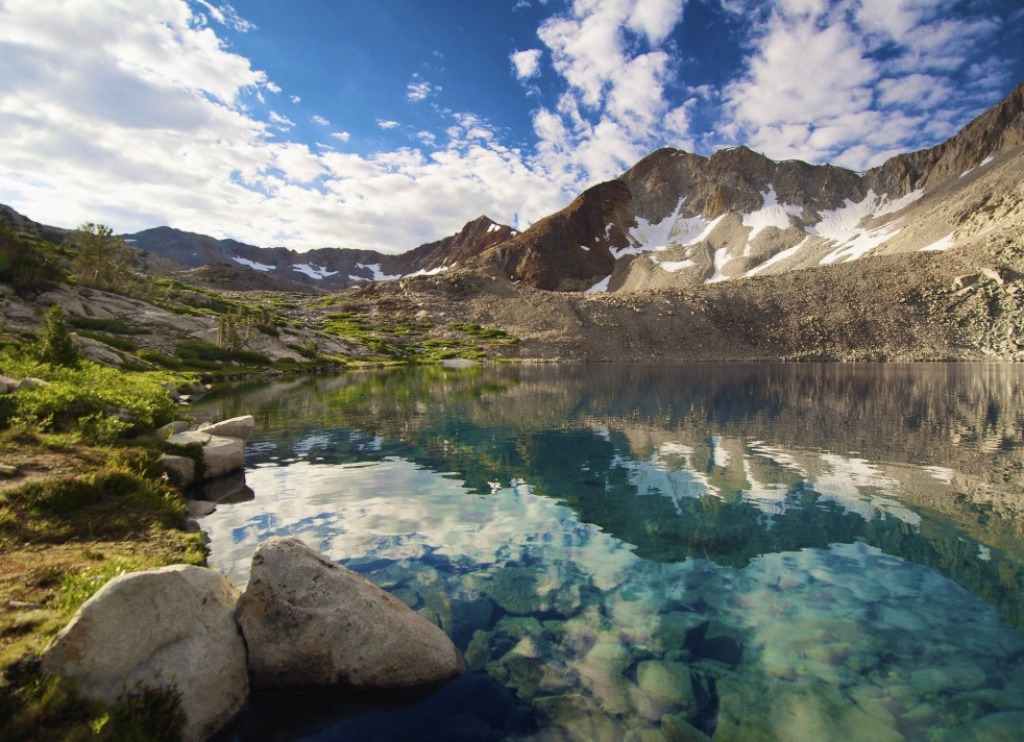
(221, 455)
(172, 626)
(236, 427)
(310, 622)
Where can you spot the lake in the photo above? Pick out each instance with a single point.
(793, 552)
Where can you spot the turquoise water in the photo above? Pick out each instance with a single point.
(800, 552)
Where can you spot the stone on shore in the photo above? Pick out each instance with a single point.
(181, 469)
(310, 622)
(172, 626)
(221, 455)
(236, 427)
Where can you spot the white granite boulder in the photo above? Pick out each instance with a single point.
(221, 455)
(166, 627)
(310, 622)
(236, 427)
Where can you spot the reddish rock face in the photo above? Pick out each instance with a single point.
(569, 250)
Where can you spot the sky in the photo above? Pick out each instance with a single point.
(386, 124)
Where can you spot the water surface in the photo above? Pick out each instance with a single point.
(631, 552)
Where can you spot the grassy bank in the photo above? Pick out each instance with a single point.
(82, 500)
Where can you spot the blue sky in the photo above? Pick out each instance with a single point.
(387, 124)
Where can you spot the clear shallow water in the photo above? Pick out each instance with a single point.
(760, 552)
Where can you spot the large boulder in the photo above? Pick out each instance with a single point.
(310, 622)
(165, 627)
(236, 427)
(221, 455)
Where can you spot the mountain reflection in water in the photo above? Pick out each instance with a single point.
(801, 551)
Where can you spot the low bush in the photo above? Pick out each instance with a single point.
(97, 403)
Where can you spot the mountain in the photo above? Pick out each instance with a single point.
(331, 268)
(677, 218)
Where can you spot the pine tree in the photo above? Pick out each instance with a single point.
(103, 259)
(55, 344)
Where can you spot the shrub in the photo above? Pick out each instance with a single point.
(161, 359)
(55, 344)
(26, 262)
(98, 403)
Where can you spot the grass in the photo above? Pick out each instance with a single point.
(87, 501)
(62, 538)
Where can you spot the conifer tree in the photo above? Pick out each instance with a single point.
(55, 344)
(103, 259)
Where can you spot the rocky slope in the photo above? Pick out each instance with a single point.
(679, 219)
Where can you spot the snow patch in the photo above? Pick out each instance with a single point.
(696, 229)
(253, 264)
(986, 161)
(584, 248)
(722, 257)
(313, 272)
(842, 226)
(493, 228)
(424, 272)
(378, 275)
(941, 244)
(674, 266)
(670, 231)
(600, 286)
(646, 236)
(891, 207)
(771, 214)
(777, 258)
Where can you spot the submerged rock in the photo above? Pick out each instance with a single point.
(578, 718)
(170, 627)
(667, 684)
(310, 622)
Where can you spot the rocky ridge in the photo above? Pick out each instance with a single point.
(681, 219)
(233, 264)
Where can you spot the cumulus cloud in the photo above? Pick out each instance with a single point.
(526, 63)
(608, 55)
(320, 120)
(182, 142)
(387, 124)
(851, 81)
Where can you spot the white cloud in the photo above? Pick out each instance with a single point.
(226, 15)
(295, 98)
(850, 81)
(157, 126)
(526, 63)
(616, 76)
(320, 120)
(281, 123)
(387, 124)
(420, 89)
